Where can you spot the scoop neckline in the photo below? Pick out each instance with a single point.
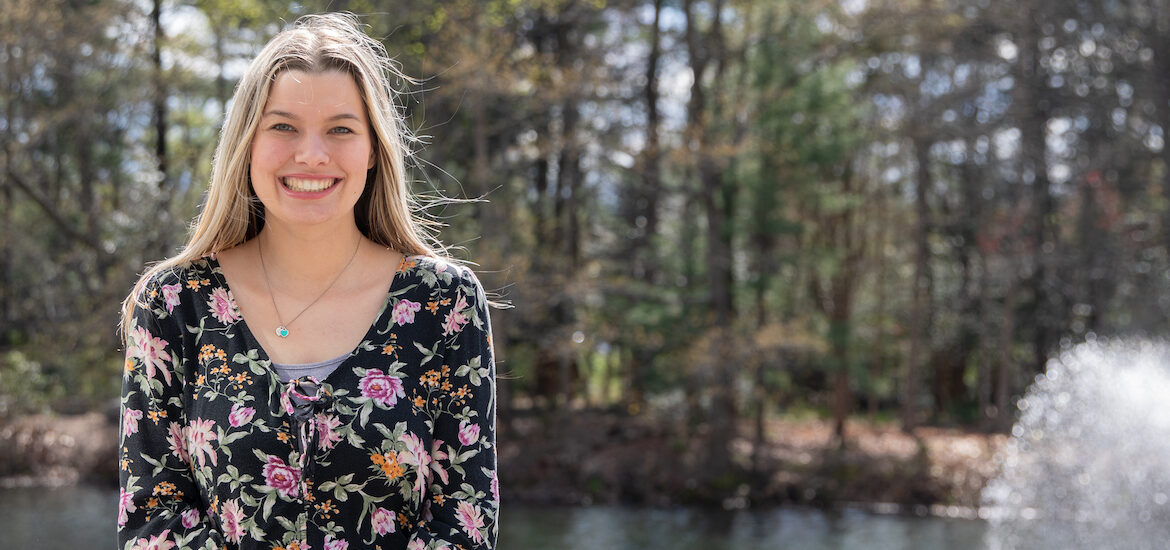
(254, 343)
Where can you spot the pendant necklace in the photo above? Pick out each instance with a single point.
(282, 329)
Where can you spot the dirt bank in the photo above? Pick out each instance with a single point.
(55, 450)
(591, 457)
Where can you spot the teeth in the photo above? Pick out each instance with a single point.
(308, 185)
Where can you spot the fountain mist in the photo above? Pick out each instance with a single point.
(1088, 464)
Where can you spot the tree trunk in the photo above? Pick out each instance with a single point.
(7, 304)
(221, 86)
(160, 98)
(711, 185)
(920, 303)
(1159, 33)
(569, 182)
(877, 347)
(1004, 366)
(1033, 114)
(643, 264)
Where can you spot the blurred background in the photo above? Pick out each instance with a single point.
(760, 253)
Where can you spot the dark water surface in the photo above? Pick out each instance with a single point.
(83, 517)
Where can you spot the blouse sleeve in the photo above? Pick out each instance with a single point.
(463, 496)
(158, 501)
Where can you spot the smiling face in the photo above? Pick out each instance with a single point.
(312, 149)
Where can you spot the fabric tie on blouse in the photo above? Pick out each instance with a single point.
(303, 399)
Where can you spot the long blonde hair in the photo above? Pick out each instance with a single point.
(386, 213)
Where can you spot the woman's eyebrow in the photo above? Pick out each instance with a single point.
(286, 114)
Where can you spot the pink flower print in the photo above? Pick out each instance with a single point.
(150, 351)
(157, 542)
(326, 424)
(415, 455)
(171, 296)
(286, 403)
(229, 518)
(282, 477)
(125, 506)
(190, 518)
(468, 433)
(417, 544)
(404, 312)
(495, 487)
(200, 434)
(223, 306)
(383, 521)
(130, 421)
(384, 390)
(437, 458)
(178, 442)
(455, 318)
(470, 520)
(240, 415)
(335, 544)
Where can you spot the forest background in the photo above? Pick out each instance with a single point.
(713, 218)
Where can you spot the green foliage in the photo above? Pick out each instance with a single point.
(807, 122)
(25, 387)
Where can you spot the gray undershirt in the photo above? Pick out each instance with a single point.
(318, 370)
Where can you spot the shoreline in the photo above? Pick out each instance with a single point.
(586, 458)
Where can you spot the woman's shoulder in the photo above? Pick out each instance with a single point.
(192, 274)
(445, 270)
(167, 286)
(439, 276)
(155, 300)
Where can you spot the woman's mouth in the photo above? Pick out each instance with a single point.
(308, 185)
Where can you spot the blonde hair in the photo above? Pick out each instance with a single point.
(386, 213)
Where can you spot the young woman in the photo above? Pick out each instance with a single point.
(309, 372)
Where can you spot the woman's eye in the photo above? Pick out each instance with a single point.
(341, 130)
(282, 127)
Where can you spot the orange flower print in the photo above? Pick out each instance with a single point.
(389, 465)
(407, 263)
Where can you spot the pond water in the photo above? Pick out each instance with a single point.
(82, 517)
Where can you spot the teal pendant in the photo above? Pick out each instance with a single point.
(282, 332)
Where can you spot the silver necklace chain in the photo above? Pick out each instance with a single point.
(282, 330)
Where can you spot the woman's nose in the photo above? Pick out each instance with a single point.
(311, 151)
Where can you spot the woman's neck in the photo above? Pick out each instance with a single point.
(306, 256)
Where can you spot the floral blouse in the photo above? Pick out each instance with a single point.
(393, 450)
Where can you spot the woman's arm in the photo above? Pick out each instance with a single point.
(463, 494)
(159, 500)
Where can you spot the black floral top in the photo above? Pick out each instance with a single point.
(395, 449)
